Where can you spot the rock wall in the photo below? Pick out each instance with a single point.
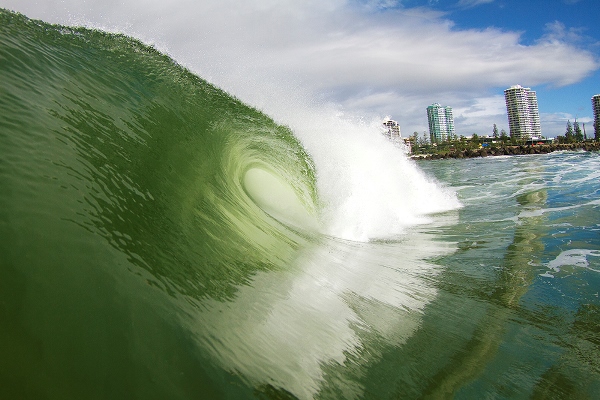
(511, 150)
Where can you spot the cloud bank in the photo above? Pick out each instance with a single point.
(370, 58)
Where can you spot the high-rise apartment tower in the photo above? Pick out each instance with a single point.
(596, 107)
(441, 122)
(523, 114)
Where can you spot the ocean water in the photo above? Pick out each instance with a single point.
(162, 240)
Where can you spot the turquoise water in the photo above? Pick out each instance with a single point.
(161, 239)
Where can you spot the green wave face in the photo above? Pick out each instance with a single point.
(107, 134)
(160, 239)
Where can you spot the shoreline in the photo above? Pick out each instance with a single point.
(509, 151)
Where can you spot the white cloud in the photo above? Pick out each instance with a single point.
(370, 58)
(554, 124)
(557, 32)
(479, 115)
(472, 3)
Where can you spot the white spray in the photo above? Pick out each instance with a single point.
(368, 187)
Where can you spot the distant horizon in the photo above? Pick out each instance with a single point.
(371, 58)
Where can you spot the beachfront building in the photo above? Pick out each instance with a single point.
(596, 107)
(523, 114)
(441, 123)
(392, 129)
(392, 132)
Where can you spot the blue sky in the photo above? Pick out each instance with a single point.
(575, 20)
(369, 59)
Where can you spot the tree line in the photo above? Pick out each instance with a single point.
(422, 144)
(574, 134)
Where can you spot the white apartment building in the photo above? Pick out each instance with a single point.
(523, 114)
(392, 129)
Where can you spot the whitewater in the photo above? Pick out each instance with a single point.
(162, 239)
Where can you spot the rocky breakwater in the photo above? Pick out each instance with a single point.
(509, 150)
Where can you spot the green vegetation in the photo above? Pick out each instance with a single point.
(499, 143)
(423, 144)
(574, 134)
